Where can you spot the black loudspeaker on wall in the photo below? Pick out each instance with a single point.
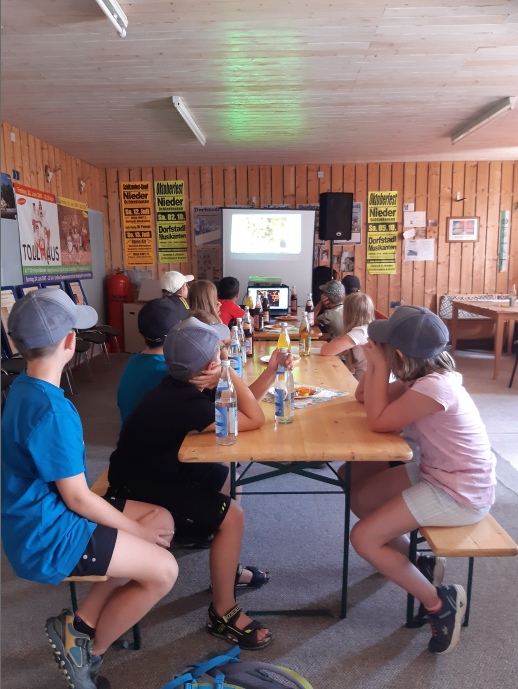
(336, 216)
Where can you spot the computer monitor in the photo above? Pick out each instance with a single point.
(278, 297)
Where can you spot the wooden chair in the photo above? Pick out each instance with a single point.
(486, 538)
(99, 488)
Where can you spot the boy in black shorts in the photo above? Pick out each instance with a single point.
(145, 466)
(53, 526)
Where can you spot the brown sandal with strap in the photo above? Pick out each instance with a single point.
(224, 627)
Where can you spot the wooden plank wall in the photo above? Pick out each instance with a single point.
(460, 268)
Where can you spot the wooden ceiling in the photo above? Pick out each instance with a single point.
(268, 81)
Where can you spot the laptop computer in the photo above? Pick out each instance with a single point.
(278, 297)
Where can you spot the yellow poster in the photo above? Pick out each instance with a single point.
(137, 223)
(382, 211)
(171, 221)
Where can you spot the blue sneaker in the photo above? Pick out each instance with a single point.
(447, 622)
(72, 650)
(432, 568)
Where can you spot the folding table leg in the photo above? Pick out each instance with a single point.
(347, 525)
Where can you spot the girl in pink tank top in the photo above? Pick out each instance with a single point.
(454, 483)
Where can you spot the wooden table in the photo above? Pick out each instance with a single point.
(331, 431)
(273, 335)
(499, 311)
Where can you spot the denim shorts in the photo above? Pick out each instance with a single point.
(433, 506)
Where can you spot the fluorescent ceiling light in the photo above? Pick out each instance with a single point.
(115, 14)
(493, 113)
(189, 119)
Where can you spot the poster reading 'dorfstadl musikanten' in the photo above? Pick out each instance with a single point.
(170, 221)
(381, 232)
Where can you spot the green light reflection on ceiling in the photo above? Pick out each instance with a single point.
(262, 99)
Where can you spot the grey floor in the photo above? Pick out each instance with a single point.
(298, 539)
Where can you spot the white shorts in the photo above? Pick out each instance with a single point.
(433, 506)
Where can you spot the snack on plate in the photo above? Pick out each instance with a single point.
(305, 391)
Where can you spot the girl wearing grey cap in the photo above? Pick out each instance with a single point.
(453, 485)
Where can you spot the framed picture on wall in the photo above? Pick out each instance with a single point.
(462, 229)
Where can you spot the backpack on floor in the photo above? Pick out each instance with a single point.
(228, 672)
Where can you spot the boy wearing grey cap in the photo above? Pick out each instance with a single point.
(145, 466)
(329, 310)
(53, 526)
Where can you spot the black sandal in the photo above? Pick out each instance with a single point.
(258, 579)
(246, 638)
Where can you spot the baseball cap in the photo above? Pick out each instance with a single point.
(351, 284)
(173, 280)
(414, 330)
(45, 316)
(190, 345)
(334, 290)
(158, 316)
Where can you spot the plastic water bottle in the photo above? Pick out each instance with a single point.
(234, 352)
(226, 407)
(284, 391)
(242, 339)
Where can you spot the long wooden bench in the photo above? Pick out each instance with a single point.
(486, 538)
(99, 488)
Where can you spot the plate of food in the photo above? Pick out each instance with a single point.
(277, 327)
(301, 391)
(265, 359)
(287, 318)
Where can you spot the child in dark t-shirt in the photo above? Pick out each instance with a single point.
(145, 466)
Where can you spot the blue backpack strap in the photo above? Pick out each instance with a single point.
(179, 681)
(200, 668)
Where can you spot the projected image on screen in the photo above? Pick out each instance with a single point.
(266, 234)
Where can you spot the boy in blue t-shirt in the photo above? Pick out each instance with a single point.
(53, 526)
(147, 368)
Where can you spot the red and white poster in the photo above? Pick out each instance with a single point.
(54, 240)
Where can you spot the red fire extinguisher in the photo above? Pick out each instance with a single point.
(119, 293)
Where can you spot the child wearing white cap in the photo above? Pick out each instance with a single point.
(174, 282)
(53, 526)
